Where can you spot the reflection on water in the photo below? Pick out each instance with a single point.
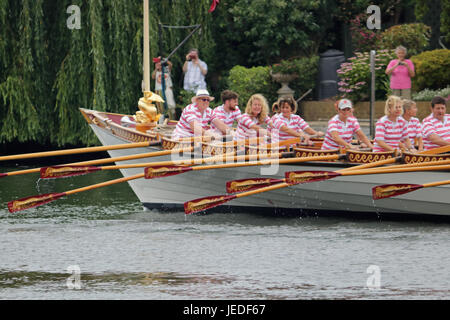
(18, 279)
(124, 252)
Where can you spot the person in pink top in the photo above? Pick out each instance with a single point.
(224, 115)
(255, 116)
(342, 127)
(414, 125)
(287, 124)
(195, 118)
(392, 129)
(436, 128)
(401, 71)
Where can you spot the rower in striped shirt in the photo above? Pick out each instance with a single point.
(436, 127)
(392, 129)
(224, 116)
(414, 125)
(250, 123)
(342, 127)
(287, 124)
(195, 118)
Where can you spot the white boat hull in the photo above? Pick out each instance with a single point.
(348, 194)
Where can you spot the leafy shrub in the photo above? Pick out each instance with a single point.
(307, 68)
(285, 67)
(432, 69)
(184, 98)
(248, 81)
(445, 20)
(414, 37)
(355, 76)
(427, 94)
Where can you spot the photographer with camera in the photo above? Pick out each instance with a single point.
(195, 71)
(168, 92)
(401, 71)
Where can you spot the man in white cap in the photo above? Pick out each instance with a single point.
(342, 127)
(195, 117)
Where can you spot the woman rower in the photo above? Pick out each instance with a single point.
(255, 116)
(392, 129)
(414, 126)
(342, 127)
(287, 124)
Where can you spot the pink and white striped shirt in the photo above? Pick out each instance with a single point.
(245, 122)
(433, 125)
(295, 122)
(189, 114)
(390, 132)
(227, 117)
(346, 130)
(414, 129)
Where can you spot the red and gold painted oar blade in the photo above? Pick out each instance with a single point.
(392, 190)
(164, 171)
(3, 175)
(250, 184)
(66, 171)
(33, 201)
(297, 177)
(205, 203)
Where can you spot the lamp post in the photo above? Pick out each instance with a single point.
(372, 93)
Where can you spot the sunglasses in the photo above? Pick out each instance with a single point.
(204, 99)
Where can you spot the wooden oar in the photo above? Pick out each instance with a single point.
(392, 190)
(166, 171)
(296, 177)
(100, 161)
(39, 200)
(205, 203)
(78, 150)
(443, 149)
(64, 171)
(291, 178)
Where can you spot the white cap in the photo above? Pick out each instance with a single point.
(345, 103)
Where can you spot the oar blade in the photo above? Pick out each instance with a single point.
(3, 175)
(250, 184)
(297, 177)
(33, 201)
(392, 190)
(164, 171)
(66, 171)
(205, 203)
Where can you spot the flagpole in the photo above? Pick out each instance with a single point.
(146, 48)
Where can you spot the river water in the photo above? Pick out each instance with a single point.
(101, 244)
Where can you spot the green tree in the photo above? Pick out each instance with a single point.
(270, 30)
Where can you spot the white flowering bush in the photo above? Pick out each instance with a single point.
(355, 76)
(427, 94)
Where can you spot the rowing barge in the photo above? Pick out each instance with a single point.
(350, 195)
